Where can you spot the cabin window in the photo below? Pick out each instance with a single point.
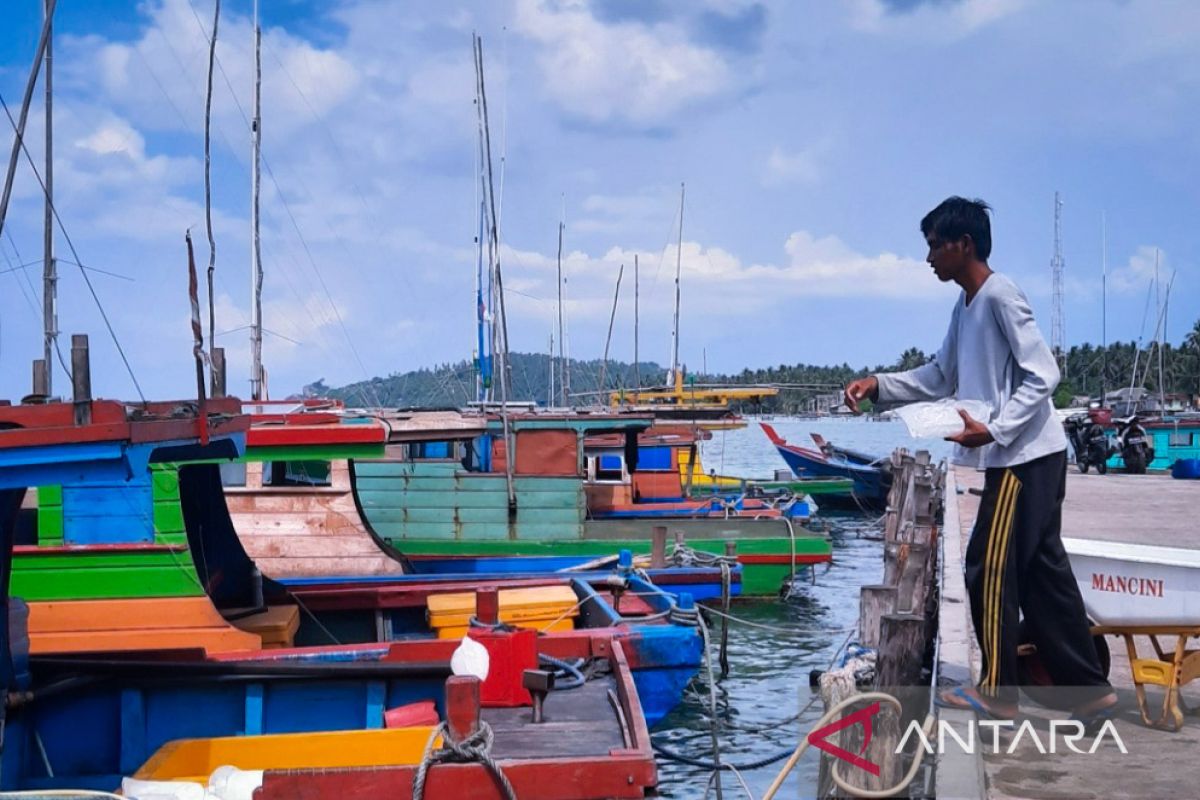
(1181, 439)
(296, 473)
(607, 468)
(435, 451)
(233, 473)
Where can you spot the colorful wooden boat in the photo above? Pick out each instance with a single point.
(655, 486)
(295, 511)
(871, 479)
(703, 481)
(443, 493)
(130, 707)
(244, 610)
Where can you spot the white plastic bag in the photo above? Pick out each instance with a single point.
(940, 418)
(231, 783)
(162, 790)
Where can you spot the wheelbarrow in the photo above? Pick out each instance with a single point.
(1132, 590)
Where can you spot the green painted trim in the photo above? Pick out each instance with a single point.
(322, 452)
(757, 579)
(99, 575)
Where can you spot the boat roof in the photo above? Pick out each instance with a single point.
(53, 443)
(579, 420)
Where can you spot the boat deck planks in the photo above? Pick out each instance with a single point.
(582, 724)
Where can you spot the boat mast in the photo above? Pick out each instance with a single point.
(563, 382)
(637, 371)
(1162, 336)
(1103, 308)
(675, 377)
(256, 270)
(49, 265)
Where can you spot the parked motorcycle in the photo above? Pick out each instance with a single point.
(1089, 441)
(1134, 445)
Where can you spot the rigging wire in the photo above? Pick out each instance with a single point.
(83, 272)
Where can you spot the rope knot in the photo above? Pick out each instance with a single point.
(474, 749)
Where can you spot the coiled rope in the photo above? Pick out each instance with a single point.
(475, 749)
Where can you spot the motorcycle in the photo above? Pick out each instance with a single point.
(1089, 441)
(1134, 445)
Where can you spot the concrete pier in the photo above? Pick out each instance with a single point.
(1147, 509)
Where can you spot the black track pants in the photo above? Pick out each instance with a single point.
(1016, 564)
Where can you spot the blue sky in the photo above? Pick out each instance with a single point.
(812, 137)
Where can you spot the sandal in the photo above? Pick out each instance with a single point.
(960, 698)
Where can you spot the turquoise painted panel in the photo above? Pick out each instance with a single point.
(432, 500)
(551, 531)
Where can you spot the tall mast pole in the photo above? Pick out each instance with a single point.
(1103, 307)
(563, 381)
(49, 265)
(1162, 334)
(678, 267)
(256, 270)
(637, 371)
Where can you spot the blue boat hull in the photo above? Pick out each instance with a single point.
(869, 484)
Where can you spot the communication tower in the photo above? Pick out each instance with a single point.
(1058, 325)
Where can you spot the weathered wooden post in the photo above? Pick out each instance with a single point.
(81, 379)
(658, 547)
(218, 372)
(487, 605)
(874, 602)
(41, 378)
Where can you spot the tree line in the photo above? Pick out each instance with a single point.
(1087, 370)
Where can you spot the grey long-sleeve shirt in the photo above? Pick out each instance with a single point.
(995, 353)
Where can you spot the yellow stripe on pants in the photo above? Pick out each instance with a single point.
(988, 577)
(1004, 532)
(1005, 538)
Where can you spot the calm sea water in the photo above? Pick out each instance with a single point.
(768, 680)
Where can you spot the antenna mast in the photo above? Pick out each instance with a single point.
(678, 266)
(1058, 321)
(256, 271)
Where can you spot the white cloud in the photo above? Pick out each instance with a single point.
(1139, 272)
(625, 72)
(799, 166)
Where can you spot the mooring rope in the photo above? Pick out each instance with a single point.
(475, 749)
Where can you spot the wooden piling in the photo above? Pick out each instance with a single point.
(41, 378)
(658, 547)
(894, 616)
(874, 603)
(81, 379)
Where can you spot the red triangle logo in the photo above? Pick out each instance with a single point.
(818, 738)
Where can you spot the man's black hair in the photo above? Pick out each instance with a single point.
(956, 217)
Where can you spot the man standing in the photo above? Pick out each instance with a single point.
(1015, 561)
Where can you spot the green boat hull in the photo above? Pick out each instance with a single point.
(766, 562)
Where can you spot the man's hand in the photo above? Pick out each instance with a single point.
(862, 388)
(974, 432)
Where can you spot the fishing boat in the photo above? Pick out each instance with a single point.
(445, 492)
(654, 485)
(236, 606)
(703, 481)
(135, 704)
(870, 475)
(296, 513)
